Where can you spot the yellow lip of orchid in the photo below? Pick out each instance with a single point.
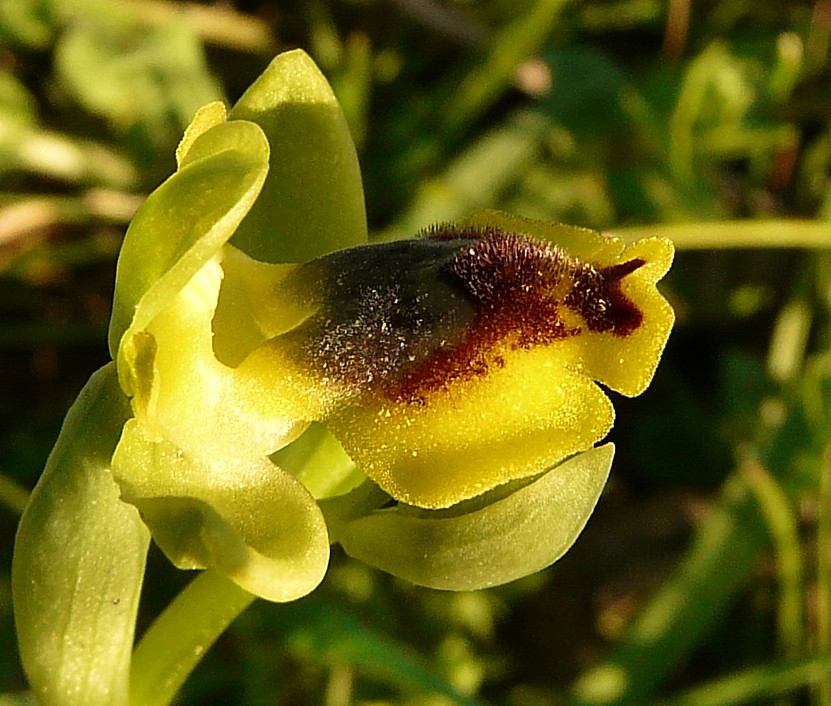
(470, 357)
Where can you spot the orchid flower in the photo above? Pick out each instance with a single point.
(279, 384)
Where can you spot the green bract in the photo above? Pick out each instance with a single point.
(79, 561)
(268, 361)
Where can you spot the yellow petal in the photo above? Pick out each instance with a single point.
(485, 369)
(627, 363)
(187, 396)
(475, 434)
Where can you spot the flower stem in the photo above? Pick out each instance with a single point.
(13, 496)
(717, 235)
(178, 639)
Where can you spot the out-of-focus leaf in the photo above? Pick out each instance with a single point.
(151, 80)
(477, 178)
(26, 22)
(321, 631)
(587, 93)
(17, 105)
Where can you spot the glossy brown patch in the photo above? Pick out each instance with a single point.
(520, 286)
(596, 295)
(410, 317)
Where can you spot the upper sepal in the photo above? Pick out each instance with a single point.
(312, 202)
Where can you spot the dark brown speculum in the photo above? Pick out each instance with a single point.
(409, 317)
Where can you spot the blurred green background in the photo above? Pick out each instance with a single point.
(704, 577)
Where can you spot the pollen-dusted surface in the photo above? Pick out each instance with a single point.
(410, 317)
(382, 310)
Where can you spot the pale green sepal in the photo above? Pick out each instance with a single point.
(312, 202)
(493, 544)
(184, 222)
(79, 561)
(245, 518)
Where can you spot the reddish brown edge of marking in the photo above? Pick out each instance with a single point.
(513, 279)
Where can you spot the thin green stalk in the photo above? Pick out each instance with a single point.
(513, 44)
(755, 684)
(178, 639)
(823, 615)
(722, 235)
(782, 525)
(13, 495)
(725, 549)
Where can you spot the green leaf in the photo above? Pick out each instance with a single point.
(325, 632)
(145, 80)
(29, 23)
(185, 222)
(495, 72)
(763, 684)
(312, 202)
(79, 561)
(244, 517)
(493, 544)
